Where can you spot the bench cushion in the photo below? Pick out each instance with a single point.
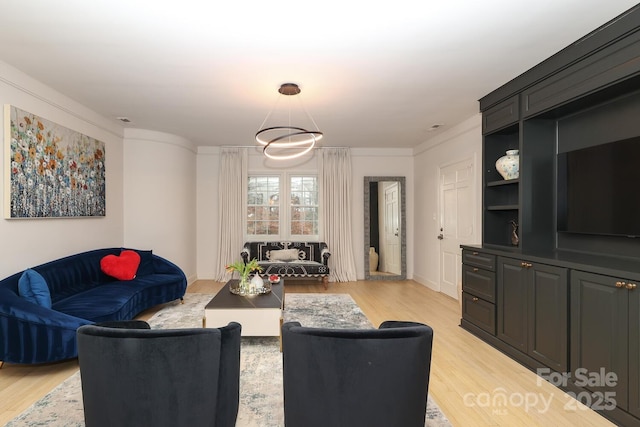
(294, 268)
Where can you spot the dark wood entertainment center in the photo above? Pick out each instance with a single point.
(562, 302)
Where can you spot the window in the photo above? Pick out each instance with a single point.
(304, 206)
(282, 206)
(263, 207)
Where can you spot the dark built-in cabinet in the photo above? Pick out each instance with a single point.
(533, 310)
(561, 301)
(522, 304)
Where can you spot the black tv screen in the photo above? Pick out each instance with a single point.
(599, 189)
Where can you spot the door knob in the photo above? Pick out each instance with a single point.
(440, 236)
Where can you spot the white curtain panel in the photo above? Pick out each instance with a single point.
(232, 193)
(335, 175)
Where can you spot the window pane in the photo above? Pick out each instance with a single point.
(274, 214)
(311, 228)
(304, 206)
(261, 227)
(304, 228)
(274, 228)
(312, 198)
(261, 212)
(263, 205)
(296, 227)
(310, 214)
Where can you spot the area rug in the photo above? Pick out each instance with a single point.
(261, 399)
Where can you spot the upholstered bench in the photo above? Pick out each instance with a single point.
(290, 259)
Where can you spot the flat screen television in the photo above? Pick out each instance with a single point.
(599, 189)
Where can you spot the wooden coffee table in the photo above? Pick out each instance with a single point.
(259, 315)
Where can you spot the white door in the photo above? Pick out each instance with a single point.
(392, 228)
(456, 222)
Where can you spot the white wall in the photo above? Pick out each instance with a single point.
(160, 196)
(458, 143)
(29, 242)
(208, 161)
(380, 162)
(365, 162)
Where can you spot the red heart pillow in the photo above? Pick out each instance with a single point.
(123, 267)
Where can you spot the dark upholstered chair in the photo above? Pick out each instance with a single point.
(352, 378)
(135, 376)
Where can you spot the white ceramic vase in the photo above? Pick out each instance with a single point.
(373, 259)
(509, 165)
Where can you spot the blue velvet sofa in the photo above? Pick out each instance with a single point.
(290, 259)
(80, 294)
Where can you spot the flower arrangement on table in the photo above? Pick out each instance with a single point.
(244, 286)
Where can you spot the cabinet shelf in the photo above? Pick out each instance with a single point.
(503, 182)
(501, 197)
(503, 207)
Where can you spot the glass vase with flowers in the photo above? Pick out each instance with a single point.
(243, 285)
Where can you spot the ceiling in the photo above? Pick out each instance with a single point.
(372, 74)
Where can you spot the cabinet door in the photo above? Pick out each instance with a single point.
(634, 351)
(599, 332)
(512, 303)
(501, 115)
(613, 63)
(548, 312)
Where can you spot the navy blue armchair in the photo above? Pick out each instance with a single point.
(352, 378)
(135, 376)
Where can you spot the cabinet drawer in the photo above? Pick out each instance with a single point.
(481, 283)
(479, 312)
(479, 259)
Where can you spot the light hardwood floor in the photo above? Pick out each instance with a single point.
(468, 377)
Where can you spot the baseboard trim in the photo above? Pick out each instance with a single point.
(426, 282)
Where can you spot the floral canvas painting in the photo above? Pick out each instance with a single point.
(53, 171)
